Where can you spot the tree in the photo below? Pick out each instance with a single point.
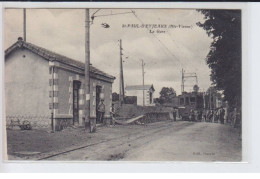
(157, 100)
(224, 57)
(167, 95)
(210, 97)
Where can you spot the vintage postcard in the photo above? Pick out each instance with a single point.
(129, 84)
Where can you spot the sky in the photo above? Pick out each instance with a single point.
(180, 44)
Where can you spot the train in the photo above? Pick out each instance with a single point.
(187, 102)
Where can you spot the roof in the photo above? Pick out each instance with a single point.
(140, 87)
(52, 56)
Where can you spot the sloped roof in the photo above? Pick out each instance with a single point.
(52, 56)
(139, 87)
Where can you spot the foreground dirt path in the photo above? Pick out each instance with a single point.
(164, 141)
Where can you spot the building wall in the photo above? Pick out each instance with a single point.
(36, 87)
(147, 98)
(65, 94)
(139, 95)
(26, 84)
(107, 96)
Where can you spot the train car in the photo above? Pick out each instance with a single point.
(188, 101)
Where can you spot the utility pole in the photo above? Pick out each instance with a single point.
(89, 126)
(196, 78)
(187, 75)
(24, 24)
(143, 64)
(121, 77)
(204, 102)
(209, 98)
(182, 80)
(120, 65)
(123, 84)
(213, 101)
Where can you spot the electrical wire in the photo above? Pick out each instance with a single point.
(169, 51)
(95, 13)
(179, 47)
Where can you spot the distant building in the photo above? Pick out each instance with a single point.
(138, 92)
(39, 82)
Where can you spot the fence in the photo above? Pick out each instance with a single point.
(36, 121)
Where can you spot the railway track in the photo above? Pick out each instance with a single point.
(153, 129)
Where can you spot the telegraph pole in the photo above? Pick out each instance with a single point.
(143, 80)
(122, 72)
(121, 80)
(204, 102)
(24, 24)
(88, 125)
(196, 79)
(182, 81)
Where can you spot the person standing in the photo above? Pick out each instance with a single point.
(211, 115)
(112, 113)
(234, 117)
(195, 115)
(191, 116)
(204, 115)
(101, 111)
(221, 115)
(208, 116)
(200, 116)
(174, 114)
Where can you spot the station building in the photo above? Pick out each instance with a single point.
(137, 91)
(39, 82)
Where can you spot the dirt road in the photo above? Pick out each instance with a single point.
(164, 141)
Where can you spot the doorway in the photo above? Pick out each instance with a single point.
(76, 87)
(150, 97)
(98, 92)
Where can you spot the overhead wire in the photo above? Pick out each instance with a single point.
(178, 47)
(164, 44)
(169, 51)
(95, 12)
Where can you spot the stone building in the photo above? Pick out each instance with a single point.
(39, 82)
(137, 91)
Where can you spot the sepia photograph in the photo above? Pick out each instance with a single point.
(122, 84)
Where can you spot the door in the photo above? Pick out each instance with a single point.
(76, 86)
(98, 91)
(151, 97)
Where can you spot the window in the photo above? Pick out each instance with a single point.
(187, 101)
(192, 99)
(181, 101)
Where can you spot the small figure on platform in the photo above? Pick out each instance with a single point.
(101, 111)
(112, 113)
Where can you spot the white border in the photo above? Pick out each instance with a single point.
(205, 5)
(250, 123)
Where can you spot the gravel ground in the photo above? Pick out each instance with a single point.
(160, 141)
(28, 144)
